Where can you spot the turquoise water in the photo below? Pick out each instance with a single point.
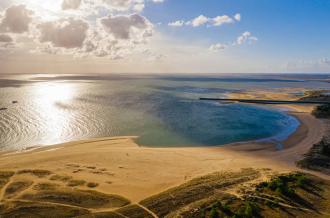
(161, 110)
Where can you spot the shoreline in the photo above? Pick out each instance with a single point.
(122, 167)
(291, 111)
(299, 134)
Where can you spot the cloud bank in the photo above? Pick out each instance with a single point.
(102, 28)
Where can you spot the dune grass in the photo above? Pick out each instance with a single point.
(17, 187)
(318, 158)
(81, 198)
(20, 209)
(75, 182)
(196, 190)
(35, 172)
(295, 194)
(4, 177)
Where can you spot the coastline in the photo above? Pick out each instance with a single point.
(119, 166)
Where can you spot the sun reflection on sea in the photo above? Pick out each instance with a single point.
(56, 120)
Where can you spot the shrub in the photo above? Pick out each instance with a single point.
(249, 210)
(322, 111)
(214, 213)
(92, 184)
(226, 209)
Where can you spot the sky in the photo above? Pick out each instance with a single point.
(164, 36)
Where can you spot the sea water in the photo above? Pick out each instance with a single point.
(162, 110)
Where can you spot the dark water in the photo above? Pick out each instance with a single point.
(161, 110)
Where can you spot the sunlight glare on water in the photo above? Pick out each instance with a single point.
(46, 98)
(161, 111)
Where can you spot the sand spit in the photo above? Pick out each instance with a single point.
(119, 166)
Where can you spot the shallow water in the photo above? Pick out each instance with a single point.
(161, 110)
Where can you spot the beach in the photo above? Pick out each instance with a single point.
(163, 109)
(119, 177)
(119, 166)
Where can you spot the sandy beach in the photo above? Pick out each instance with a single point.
(116, 177)
(163, 109)
(119, 166)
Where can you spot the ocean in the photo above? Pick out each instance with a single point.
(162, 110)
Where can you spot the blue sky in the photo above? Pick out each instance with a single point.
(269, 36)
(285, 28)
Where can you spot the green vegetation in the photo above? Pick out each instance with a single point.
(196, 190)
(322, 111)
(284, 184)
(316, 95)
(282, 196)
(286, 195)
(249, 209)
(318, 158)
(223, 194)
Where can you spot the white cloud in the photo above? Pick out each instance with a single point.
(202, 20)
(113, 36)
(245, 37)
(125, 27)
(217, 47)
(66, 33)
(79, 29)
(198, 21)
(117, 36)
(219, 20)
(71, 4)
(139, 7)
(177, 23)
(16, 19)
(237, 17)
